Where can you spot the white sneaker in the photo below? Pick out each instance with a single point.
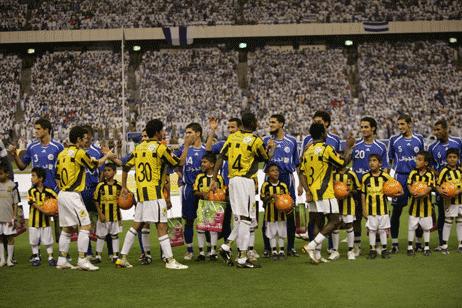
(255, 253)
(64, 265)
(188, 256)
(379, 250)
(173, 264)
(10, 263)
(251, 255)
(311, 253)
(357, 251)
(2, 263)
(85, 265)
(323, 260)
(121, 263)
(334, 256)
(351, 255)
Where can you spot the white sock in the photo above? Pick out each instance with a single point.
(350, 237)
(273, 242)
(164, 242)
(446, 231)
(317, 240)
(50, 250)
(115, 244)
(233, 235)
(281, 243)
(243, 236)
(410, 238)
(426, 236)
(252, 237)
(372, 237)
(146, 240)
(213, 240)
(225, 247)
(35, 249)
(2, 252)
(64, 242)
(459, 231)
(83, 240)
(201, 239)
(10, 251)
(383, 237)
(99, 245)
(130, 237)
(394, 241)
(318, 250)
(335, 239)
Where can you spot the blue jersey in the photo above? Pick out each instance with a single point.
(216, 149)
(92, 177)
(192, 166)
(360, 156)
(44, 156)
(331, 139)
(286, 154)
(439, 149)
(402, 152)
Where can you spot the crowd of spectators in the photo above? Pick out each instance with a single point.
(12, 15)
(10, 67)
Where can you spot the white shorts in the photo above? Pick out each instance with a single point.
(347, 219)
(327, 206)
(453, 210)
(72, 211)
(378, 222)
(312, 207)
(425, 222)
(40, 236)
(152, 211)
(105, 228)
(277, 228)
(5, 229)
(242, 197)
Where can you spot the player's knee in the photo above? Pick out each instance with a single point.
(448, 220)
(114, 236)
(101, 237)
(86, 227)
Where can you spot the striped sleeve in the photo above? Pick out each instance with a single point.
(129, 163)
(30, 196)
(356, 183)
(442, 176)
(284, 186)
(259, 150)
(50, 192)
(333, 158)
(168, 157)
(197, 181)
(409, 178)
(221, 181)
(363, 185)
(96, 194)
(431, 176)
(263, 190)
(85, 160)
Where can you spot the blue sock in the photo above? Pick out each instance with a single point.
(189, 233)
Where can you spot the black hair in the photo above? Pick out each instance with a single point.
(111, 165)
(269, 165)
(280, 118)
(89, 129)
(427, 156)
(442, 122)
(324, 115)
(4, 168)
(407, 118)
(40, 172)
(249, 121)
(195, 127)
(210, 157)
(372, 122)
(76, 133)
(153, 127)
(237, 120)
(317, 131)
(376, 156)
(452, 151)
(45, 124)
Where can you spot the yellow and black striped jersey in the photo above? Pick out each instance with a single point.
(421, 207)
(106, 196)
(318, 164)
(150, 158)
(36, 196)
(349, 177)
(243, 150)
(202, 182)
(376, 201)
(70, 168)
(272, 214)
(451, 175)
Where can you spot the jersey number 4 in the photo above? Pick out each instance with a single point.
(237, 163)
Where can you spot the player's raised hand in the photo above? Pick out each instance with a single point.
(213, 123)
(12, 150)
(124, 191)
(350, 140)
(188, 140)
(300, 190)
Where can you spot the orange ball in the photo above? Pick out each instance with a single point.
(340, 190)
(419, 188)
(125, 202)
(50, 206)
(392, 188)
(449, 189)
(218, 195)
(284, 202)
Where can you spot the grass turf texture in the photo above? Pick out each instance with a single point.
(401, 281)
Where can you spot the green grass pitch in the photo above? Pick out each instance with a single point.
(401, 281)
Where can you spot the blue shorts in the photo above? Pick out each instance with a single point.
(87, 196)
(289, 180)
(401, 200)
(188, 202)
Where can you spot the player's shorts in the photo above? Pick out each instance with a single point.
(5, 229)
(347, 219)
(403, 199)
(72, 211)
(40, 236)
(242, 197)
(425, 222)
(277, 228)
(453, 210)
(105, 228)
(327, 206)
(152, 211)
(378, 222)
(189, 202)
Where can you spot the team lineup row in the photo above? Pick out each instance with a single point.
(241, 152)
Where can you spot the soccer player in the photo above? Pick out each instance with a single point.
(453, 206)
(275, 220)
(42, 153)
(70, 172)
(402, 151)
(39, 222)
(318, 163)
(420, 203)
(190, 170)
(109, 215)
(150, 158)
(438, 150)
(233, 126)
(375, 205)
(347, 211)
(8, 206)
(364, 147)
(201, 190)
(287, 159)
(243, 150)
